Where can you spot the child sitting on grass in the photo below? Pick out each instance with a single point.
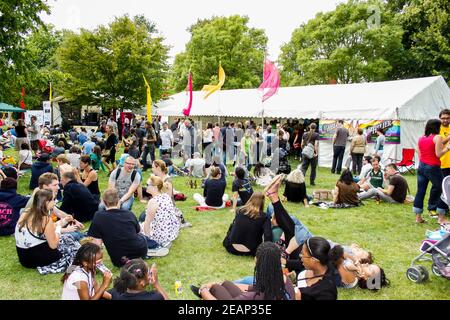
(79, 280)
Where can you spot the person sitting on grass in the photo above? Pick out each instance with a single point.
(367, 166)
(374, 178)
(213, 192)
(241, 188)
(397, 187)
(59, 149)
(49, 181)
(41, 166)
(196, 166)
(217, 162)
(295, 232)
(262, 174)
(346, 190)
(25, 157)
(118, 229)
(295, 190)
(135, 277)
(160, 223)
(159, 169)
(11, 203)
(77, 200)
(126, 180)
(39, 241)
(269, 282)
(96, 157)
(79, 281)
(248, 228)
(89, 177)
(74, 156)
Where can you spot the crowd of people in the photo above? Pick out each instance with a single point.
(291, 263)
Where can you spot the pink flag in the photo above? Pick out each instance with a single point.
(187, 110)
(271, 80)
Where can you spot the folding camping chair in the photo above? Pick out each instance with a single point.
(446, 190)
(407, 161)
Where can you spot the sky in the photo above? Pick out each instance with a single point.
(278, 18)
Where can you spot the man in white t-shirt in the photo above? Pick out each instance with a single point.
(166, 139)
(196, 166)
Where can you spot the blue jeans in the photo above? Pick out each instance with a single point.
(148, 149)
(151, 244)
(246, 280)
(127, 205)
(338, 157)
(77, 235)
(432, 174)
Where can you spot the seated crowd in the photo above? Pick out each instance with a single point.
(290, 262)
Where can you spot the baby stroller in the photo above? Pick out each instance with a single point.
(440, 257)
(284, 166)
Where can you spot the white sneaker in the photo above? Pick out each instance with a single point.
(186, 225)
(158, 252)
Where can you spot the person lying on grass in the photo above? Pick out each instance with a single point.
(79, 281)
(295, 234)
(269, 282)
(135, 277)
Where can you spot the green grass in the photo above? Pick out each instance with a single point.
(197, 255)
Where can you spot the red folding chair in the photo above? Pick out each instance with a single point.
(407, 160)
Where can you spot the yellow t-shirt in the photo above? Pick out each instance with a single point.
(445, 159)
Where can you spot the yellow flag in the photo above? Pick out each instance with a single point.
(51, 96)
(210, 89)
(149, 101)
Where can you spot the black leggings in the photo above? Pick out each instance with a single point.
(286, 224)
(225, 291)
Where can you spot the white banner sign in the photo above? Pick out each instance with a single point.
(47, 109)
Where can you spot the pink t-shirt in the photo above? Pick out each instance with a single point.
(427, 149)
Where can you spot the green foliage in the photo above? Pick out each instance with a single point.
(17, 20)
(105, 66)
(357, 42)
(221, 39)
(426, 37)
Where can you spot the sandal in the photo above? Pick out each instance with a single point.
(422, 221)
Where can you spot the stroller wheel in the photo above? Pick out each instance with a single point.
(435, 270)
(417, 274)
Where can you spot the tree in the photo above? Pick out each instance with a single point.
(356, 42)
(228, 40)
(106, 66)
(17, 20)
(426, 37)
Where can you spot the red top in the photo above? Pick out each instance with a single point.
(427, 149)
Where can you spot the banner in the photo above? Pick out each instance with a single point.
(47, 108)
(391, 129)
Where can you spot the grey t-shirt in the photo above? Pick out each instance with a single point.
(341, 137)
(33, 131)
(123, 182)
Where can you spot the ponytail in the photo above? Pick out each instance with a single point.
(335, 254)
(131, 273)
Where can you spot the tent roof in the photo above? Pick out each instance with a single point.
(8, 108)
(412, 99)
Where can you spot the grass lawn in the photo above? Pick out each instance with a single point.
(197, 255)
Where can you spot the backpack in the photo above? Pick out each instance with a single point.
(133, 174)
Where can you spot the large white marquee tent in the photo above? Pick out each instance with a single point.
(412, 101)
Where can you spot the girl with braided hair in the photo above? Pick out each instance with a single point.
(134, 278)
(269, 282)
(79, 279)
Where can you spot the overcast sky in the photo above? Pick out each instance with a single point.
(172, 17)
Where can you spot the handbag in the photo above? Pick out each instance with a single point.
(308, 151)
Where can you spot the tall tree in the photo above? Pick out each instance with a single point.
(426, 38)
(105, 66)
(356, 42)
(228, 40)
(18, 18)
